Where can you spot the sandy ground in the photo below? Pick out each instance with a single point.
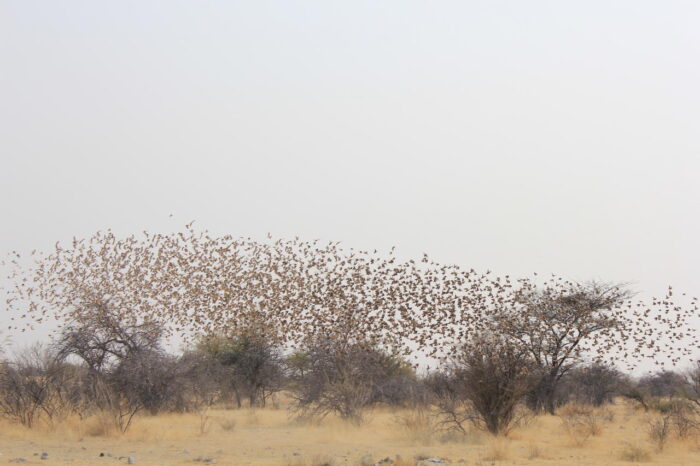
(269, 437)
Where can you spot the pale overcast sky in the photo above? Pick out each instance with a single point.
(550, 136)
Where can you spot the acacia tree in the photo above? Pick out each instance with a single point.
(557, 324)
(560, 322)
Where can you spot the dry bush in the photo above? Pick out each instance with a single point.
(534, 451)
(114, 405)
(418, 425)
(228, 424)
(127, 370)
(659, 430)
(497, 450)
(632, 452)
(21, 395)
(607, 415)
(682, 414)
(39, 385)
(580, 422)
(341, 379)
(101, 425)
(679, 415)
(488, 381)
(204, 423)
(453, 436)
(252, 418)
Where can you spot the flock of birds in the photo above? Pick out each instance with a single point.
(294, 291)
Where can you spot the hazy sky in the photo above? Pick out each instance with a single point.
(550, 136)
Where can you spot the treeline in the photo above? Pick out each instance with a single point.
(91, 373)
(334, 328)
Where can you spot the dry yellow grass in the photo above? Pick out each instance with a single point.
(268, 437)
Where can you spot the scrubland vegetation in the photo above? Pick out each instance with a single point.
(300, 353)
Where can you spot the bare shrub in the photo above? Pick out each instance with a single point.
(127, 371)
(149, 379)
(684, 419)
(488, 380)
(454, 411)
(37, 383)
(101, 338)
(633, 452)
(534, 451)
(21, 395)
(680, 412)
(228, 424)
(101, 425)
(580, 422)
(343, 380)
(497, 450)
(659, 430)
(204, 421)
(116, 405)
(418, 425)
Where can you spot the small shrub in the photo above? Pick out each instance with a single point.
(228, 424)
(101, 425)
(631, 452)
(497, 450)
(252, 418)
(454, 437)
(204, 422)
(534, 451)
(659, 430)
(580, 422)
(683, 418)
(418, 426)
